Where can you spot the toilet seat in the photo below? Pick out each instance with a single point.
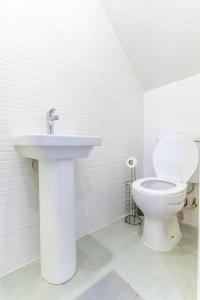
(159, 186)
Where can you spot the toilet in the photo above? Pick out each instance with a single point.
(160, 198)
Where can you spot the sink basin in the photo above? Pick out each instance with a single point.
(49, 146)
(56, 154)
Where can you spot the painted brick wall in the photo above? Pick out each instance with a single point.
(63, 54)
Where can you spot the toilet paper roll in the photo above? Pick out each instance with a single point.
(131, 162)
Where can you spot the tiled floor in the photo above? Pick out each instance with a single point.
(155, 276)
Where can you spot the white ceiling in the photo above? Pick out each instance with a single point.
(161, 37)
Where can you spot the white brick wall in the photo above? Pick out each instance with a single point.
(173, 107)
(63, 54)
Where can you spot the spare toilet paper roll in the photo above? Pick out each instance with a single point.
(131, 162)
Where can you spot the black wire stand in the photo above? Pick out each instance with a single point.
(132, 210)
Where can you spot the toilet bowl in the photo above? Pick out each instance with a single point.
(160, 198)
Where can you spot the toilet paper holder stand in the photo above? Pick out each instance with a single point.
(132, 211)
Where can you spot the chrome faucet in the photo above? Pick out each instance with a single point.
(50, 120)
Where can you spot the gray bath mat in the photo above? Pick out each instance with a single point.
(110, 287)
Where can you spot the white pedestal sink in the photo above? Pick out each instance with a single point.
(56, 189)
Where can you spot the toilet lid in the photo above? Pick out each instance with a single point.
(175, 156)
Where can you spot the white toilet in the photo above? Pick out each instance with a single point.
(160, 198)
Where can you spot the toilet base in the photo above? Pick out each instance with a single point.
(161, 234)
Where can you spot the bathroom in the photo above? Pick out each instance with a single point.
(121, 74)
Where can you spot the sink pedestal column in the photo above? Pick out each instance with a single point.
(57, 223)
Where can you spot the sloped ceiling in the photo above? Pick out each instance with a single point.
(161, 37)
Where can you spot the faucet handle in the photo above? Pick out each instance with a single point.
(51, 112)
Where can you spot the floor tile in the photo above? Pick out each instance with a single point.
(118, 247)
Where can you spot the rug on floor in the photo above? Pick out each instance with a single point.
(110, 287)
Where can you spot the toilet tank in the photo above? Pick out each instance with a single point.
(195, 176)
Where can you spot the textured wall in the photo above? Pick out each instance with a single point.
(63, 54)
(161, 37)
(172, 107)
